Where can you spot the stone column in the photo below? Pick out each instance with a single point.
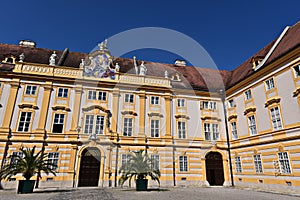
(115, 112)
(168, 100)
(14, 86)
(142, 113)
(76, 109)
(44, 108)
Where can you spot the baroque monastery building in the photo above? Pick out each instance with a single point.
(88, 111)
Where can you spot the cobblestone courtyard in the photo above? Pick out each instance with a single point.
(190, 193)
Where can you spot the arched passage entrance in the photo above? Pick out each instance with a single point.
(89, 167)
(214, 168)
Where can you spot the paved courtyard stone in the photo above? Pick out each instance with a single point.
(177, 193)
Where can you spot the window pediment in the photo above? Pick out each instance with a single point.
(93, 107)
(28, 105)
(249, 110)
(208, 117)
(230, 117)
(272, 101)
(129, 112)
(155, 114)
(61, 107)
(182, 116)
(296, 92)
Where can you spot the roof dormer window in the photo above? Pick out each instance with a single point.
(10, 59)
(297, 71)
(256, 61)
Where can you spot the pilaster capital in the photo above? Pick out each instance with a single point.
(15, 83)
(48, 86)
(78, 89)
(142, 95)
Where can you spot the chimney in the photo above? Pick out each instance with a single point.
(180, 62)
(27, 43)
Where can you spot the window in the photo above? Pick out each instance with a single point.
(234, 130)
(248, 95)
(154, 162)
(252, 125)
(92, 95)
(211, 132)
(31, 90)
(180, 103)
(127, 127)
(238, 164)
(63, 92)
(24, 122)
(53, 159)
(183, 164)
(125, 159)
(181, 130)
(297, 71)
(14, 156)
(102, 96)
(154, 100)
(258, 164)
(231, 103)
(58, 124)
(211, 105)
(94, 124)
(276, 120)
(129, 98)
(284, 162)
(154, 128)
(270, 84)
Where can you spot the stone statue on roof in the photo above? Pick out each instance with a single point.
(52, 59)
(21, 57)
(143, 69)
(136, 67)
(139, 70)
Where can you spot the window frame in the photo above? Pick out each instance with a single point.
(183, 163)
(270, 84)
(248, 95)
(181, 103)
(94, 127)
(258, 163)
(238, 164)
(155, 131)
(296, 72)
(182, 130)
(154, 100)
(32, 90)
(25, 121)
(284, 163)
(64, 92)
(234, 132)
(276, 118)
(58, 122)
(128, 129)
(129, 98)
(155, 162)
(53, 157)
(252, 126)
(211, 131)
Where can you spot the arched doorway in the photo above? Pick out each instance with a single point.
(89, 167)
(214, 168)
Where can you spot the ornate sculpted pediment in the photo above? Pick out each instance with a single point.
(98, 63)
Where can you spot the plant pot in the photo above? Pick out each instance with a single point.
(141, 184)
(25, 186)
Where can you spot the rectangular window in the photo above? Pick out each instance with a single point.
(284, 162)
(276, 120)
(181, 130)
(58, 124)
(211, 132)
(183, 164)
(231, 103)
(127, 127)
(24, 122)
(297, 71)
(92, 95)
(102, 96)
(234, 130)
(154, 128)
(248, 95)
(154, 100)
(129, 98)
(94, 124)
(270, 84)
(14, 157)
(258, 164)
(180, 103)
(154, 162)
(252, 125)
(238, 164)
(31, 90)
(125, 159)
(209, 105)
(53, 158)
(63, 92)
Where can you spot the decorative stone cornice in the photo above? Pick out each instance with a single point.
(93, 107)
(250, 109)
(129, 112)
(28, 105)
(61, 107)
(182, 116)
(155, 114)
(230, 117)
(207, 117)
(296, 92)
(272, 101)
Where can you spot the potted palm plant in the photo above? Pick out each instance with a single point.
(139, 167)
(28, 163)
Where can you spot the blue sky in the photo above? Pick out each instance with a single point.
(231, 31)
